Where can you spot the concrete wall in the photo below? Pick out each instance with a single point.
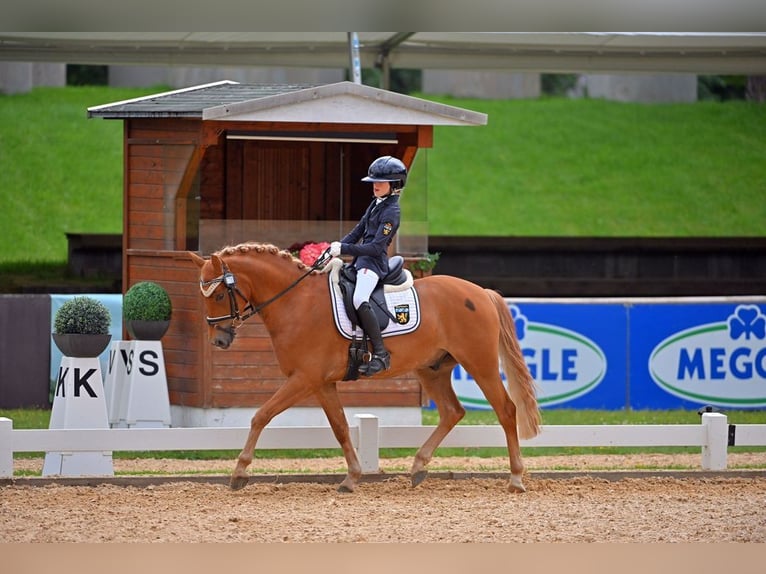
(645, 88)
(481, 84)
(650, 89)
(20, 77)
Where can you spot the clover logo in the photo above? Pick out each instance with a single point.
(747, 320)
(519, 321)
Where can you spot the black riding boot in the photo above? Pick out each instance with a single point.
(380, 360)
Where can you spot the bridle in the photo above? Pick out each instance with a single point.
(236, 315)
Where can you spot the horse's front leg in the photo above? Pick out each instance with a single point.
(328, 398)
(294, 389)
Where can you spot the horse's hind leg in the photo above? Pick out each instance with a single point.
(287, 395)
(492, 387)
(328, 398)
(438, 385)
(506, 414)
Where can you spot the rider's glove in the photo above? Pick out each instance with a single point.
(335, 248)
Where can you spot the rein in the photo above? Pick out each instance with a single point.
(230, 282)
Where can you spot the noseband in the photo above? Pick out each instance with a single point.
(237, 316)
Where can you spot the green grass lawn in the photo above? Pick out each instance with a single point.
(546, 167)
(554, 167)
(61, 171)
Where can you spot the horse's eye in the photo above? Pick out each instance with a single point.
(219, 297)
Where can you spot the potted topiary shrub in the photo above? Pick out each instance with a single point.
(146, 308)
(423, 265)
(81, 327)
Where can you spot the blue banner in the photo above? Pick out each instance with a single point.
(639, 354)
(690, 355)
(576, 354)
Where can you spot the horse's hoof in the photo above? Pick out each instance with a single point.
(238, 482)
(516, 485)
(345, 488)
(419, 477)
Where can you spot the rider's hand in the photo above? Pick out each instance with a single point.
(335, 248)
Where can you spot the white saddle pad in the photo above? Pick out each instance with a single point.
(401, 300)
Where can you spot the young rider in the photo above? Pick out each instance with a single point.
(368, 243)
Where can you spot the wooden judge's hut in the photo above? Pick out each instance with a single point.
(225, 163)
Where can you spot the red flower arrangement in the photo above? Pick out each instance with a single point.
(308, 251)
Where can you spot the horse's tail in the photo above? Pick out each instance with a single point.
(521, 385)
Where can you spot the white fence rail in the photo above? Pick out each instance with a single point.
(712, 436)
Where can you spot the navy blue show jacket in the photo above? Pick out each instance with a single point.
(369, 240)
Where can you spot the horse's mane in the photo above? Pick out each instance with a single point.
(252, 247)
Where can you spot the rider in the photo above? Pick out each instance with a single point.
(368, 243)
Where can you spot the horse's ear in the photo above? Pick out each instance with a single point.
(217, 264)
(198, 261)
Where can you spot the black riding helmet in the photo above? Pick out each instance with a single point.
(387, 168)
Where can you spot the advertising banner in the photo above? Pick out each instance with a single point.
(686, 355)
(576, 353)
(639, 353)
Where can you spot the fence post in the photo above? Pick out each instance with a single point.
(368, 447)
(714, 451)
(6, 448)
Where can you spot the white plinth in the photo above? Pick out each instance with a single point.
(79, 402)
(147, 404)
(116, 382)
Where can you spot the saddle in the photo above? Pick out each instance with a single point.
(358, 352)
(347, 282)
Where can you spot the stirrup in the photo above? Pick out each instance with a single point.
(375, 365)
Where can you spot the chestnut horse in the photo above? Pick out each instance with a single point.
(460, 323)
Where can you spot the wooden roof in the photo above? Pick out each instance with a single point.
(187, 102)
(343, 102)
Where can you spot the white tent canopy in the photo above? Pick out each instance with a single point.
(697, 53)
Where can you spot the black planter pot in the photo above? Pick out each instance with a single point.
(147, 330)
(77, 345)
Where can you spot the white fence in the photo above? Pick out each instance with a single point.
(713, 436)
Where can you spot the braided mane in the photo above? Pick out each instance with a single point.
(249, 247)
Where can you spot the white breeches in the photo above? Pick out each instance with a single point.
(366, 280)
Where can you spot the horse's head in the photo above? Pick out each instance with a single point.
(231, 293)
(227, 300)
